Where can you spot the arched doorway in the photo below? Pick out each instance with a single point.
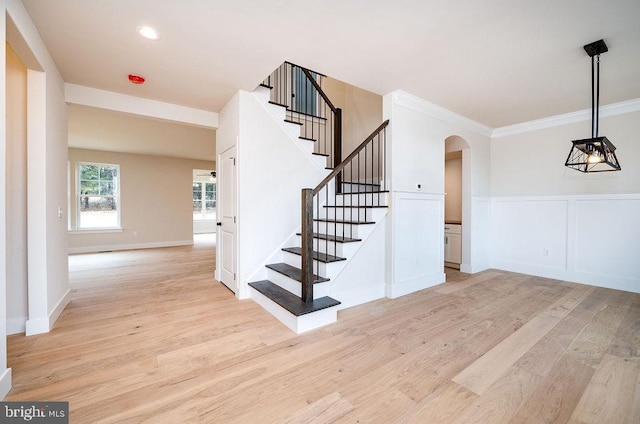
(457, 202)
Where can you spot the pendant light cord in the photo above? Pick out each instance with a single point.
(597, 94)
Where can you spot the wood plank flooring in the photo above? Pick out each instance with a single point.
(151, 337)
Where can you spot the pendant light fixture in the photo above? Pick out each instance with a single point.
(595, 154)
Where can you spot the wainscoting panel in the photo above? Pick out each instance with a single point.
(478, 228)
(418, 237)
(608, 237)
(590, 239)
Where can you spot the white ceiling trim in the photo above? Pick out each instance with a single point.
(613, 109)
(87, 96)
(418, 104)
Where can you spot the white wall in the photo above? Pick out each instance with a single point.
(5, 373)
(532, 163)
(453, 189)
(155, 200)
(16, 193)
(361, 111)
(416, 151)
(47, 158)
(272, 171)
(559, 223)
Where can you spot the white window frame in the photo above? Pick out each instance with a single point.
(203, 200)
(78, 198)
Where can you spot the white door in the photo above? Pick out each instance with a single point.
(227, 225)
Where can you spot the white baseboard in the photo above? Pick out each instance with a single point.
(45, 324)
(133, 246)
(590, 279)
(16, 325)
(475, 268)
(37, 326)
(415, 284)
(359, 296)
(55, 314)
(5, 383)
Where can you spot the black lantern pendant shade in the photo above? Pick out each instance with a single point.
(595, 154)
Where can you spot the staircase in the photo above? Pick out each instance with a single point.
(337, 216)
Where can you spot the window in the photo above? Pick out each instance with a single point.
(98, 195)
(304, 93)
(204, 200)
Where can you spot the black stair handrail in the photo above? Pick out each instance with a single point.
(300, 91)
(363, 182)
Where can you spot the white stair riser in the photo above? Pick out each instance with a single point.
(353, 214)
(343, 250)
(276, 111)
(263, 93)
(343, 230)
(330, 270)
(358, 188)
(297, 324)
(349, 214)
(295, 287)
(364, 199)
(294, 131)
(321, 161)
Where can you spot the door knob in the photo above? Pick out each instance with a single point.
(219, 224)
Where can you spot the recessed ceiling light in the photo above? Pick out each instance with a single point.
(148, 32)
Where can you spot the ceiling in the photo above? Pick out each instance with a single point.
(498, 62)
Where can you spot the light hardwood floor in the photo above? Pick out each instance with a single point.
(149, 336)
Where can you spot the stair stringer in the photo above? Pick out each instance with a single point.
(363, 276)
(268, 195)
(292, 130)
(358, 266)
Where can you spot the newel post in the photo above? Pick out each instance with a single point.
(337, 147)
(307, 245)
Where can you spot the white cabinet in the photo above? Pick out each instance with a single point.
(453, 243)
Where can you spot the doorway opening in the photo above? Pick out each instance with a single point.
(457, 202)
(204, 188)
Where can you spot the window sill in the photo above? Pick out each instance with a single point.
(96, 231)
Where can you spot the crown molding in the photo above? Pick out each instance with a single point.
(418, 104)
(612, 109)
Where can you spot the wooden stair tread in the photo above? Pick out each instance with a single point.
(355, 206)
(290, 301)
(307, 138)
(266, 86)
(362, 192)
(330, 237)
(309, 115)
(293, 272)
(343, 221)
(293, 122)
(318, 256)
(359, 183)
(320, 154)
(278, 104)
